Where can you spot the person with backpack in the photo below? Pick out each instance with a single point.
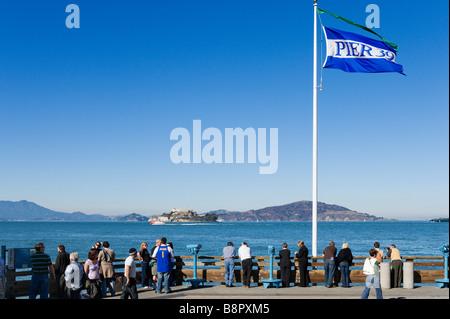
(163, 255)
(372, 270)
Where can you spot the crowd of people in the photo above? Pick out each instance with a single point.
(98, 274)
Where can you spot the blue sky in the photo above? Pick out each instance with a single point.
(86, 114)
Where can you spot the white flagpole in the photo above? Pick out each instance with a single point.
(314, 201)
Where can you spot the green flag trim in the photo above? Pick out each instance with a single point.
(393, 45)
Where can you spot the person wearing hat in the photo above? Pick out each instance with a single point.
(129, 288)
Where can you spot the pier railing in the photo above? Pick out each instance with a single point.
(426, 270)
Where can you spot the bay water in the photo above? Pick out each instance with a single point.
(412, 238)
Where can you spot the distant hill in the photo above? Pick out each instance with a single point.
(297, 211)
(25, 210)
(132, 218)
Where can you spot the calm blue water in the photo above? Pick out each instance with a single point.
(411, 237)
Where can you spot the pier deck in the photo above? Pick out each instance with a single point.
(211, 268)
(315, 292)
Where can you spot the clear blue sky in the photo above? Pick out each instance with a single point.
(86, 114)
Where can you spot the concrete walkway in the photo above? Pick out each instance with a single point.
(317, 292)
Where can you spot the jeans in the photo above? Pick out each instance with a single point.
(163, 276)
(39, 286)
(172, 281)
(344, 274)
(374, 281)
(229, 271)
(2, 290)
(108, 283)
(329, 272)
(146, 274)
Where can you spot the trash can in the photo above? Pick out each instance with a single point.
(408, 275)
(385, 275)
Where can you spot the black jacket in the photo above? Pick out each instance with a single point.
(345, 255)
(302, 254)
(61, 262)
(285, 257)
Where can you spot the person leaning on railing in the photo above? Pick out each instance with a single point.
(396, 263)
(228, 254)
(302, 255)
(245, 255)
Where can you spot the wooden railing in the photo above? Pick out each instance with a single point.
(211, 268)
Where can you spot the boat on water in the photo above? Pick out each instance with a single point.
(439, 220)
(156, 222)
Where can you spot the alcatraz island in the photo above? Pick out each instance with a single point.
(184, 215)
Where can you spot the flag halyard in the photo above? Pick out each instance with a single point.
(393, 45)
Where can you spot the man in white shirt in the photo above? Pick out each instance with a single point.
(130, 289)
(245, 255)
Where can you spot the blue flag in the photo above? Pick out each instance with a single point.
(352, 52)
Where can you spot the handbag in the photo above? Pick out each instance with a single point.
(368, 267)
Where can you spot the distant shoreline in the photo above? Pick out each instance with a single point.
(225, 222)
